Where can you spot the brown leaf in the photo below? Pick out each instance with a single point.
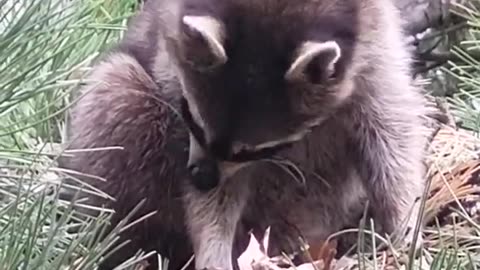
(324, 251)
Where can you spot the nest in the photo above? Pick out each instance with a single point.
(454, 172)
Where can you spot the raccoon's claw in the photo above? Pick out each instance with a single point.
(204, 175)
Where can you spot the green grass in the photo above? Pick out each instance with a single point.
(45, 48)
(466, 102)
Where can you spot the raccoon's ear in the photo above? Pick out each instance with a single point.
(204, 41)
(315, 62)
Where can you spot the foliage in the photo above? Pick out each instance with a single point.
(46, 46)
(466, 102)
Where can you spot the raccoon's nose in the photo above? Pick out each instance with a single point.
(204, 174)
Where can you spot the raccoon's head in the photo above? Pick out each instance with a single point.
(259, 74)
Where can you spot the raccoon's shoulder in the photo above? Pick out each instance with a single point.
(144, 37)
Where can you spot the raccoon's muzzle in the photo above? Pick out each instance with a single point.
(204, 172)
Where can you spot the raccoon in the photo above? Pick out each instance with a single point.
(323, 84)
(121, 106)
(293, 114)
(136, 142)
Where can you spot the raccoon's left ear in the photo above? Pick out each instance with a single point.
(204, 41)
(315, 62)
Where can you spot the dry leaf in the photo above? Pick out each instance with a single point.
(253, 252)
(324, 251)
(255, 258)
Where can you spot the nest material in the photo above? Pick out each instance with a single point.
(454, 172)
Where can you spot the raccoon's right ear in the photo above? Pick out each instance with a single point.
(203, 41)
(315, 62)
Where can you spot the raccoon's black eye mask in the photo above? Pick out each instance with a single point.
(242, 156)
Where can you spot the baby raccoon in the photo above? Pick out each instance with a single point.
(322, 86)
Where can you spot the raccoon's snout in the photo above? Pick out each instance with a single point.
(204, 174)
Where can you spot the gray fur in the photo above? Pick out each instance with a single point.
(368, 145)
(121, 106)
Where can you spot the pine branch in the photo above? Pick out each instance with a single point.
(422, 14)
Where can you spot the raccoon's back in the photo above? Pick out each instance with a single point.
(144, 153)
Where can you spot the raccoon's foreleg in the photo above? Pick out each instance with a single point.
(391, 163)
(212, 220)
(213, 214)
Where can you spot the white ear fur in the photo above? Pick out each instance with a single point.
(212, 31)
(308, 52)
